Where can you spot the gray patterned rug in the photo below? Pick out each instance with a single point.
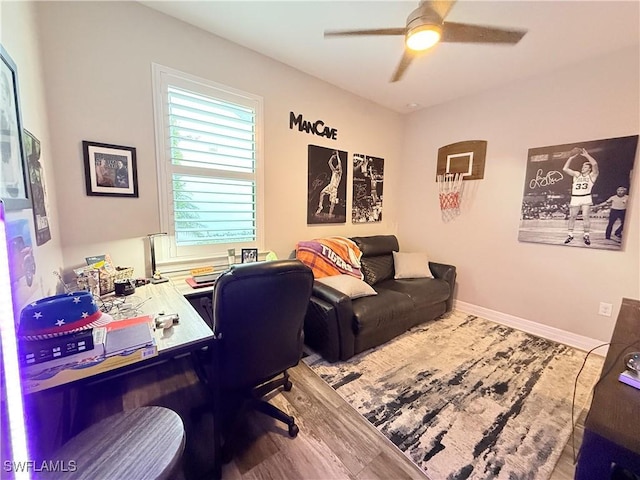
(467, 398)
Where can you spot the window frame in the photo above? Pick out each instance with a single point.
(167, 252)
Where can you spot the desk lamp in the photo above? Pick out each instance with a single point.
(155, 274)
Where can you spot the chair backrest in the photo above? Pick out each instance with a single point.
(258, 317)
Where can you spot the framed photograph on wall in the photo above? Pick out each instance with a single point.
(110, 170)
(249, 255)
(14, 189)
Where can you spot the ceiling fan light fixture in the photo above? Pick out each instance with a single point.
(423, 37)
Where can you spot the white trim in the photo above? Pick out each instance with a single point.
(551, 333)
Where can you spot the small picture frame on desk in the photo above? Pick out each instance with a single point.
(110, 170)
(249, 255)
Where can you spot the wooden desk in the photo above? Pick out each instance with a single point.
(612, 426)
(181, 285)
(191, 333)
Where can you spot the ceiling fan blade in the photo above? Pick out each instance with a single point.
(373, 31)
(407, 57)
(465, 33)
(441, 7)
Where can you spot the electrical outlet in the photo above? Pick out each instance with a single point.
(605, 309)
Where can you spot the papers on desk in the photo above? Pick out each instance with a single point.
(128, 335)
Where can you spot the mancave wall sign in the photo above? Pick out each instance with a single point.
(316, 128)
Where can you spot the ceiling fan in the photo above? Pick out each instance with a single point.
(426, 27)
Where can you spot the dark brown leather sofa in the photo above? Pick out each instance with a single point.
(338, 327)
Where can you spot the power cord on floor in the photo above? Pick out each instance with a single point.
(603, 375)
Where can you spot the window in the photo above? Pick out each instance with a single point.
(209, 166)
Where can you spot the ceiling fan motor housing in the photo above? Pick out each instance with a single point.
(423, 16)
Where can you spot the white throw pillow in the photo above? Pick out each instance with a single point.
(349, 285)
(411, 265)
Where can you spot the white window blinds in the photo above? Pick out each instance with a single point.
(209, 163)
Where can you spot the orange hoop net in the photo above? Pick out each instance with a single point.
(449, 192)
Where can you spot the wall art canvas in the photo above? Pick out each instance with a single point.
(26, 280)
(13, 180)
(576, 194)
(327, 185)
(38, 190)
(368, 180)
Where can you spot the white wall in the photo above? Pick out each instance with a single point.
(97, 58)
(19, 36)
(556, 286)
(96, 77)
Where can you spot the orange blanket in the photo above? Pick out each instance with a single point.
(330, 256)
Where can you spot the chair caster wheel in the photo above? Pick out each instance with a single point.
(293, 430)
(288, 386)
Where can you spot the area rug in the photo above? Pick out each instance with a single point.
(466, 398)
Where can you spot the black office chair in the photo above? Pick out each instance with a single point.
(258, 315)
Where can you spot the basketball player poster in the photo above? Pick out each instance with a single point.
(576, 194)
(327, 185)
(368, 177)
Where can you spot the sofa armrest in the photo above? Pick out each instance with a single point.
(328, 324)
(448, 274)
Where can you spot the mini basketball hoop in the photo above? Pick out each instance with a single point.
(449, 191)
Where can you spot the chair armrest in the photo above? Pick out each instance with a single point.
(448, 274)
(328, 326)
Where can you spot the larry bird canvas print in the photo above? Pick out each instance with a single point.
(576, 194)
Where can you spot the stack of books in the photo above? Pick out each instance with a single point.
(55, 361)
(36, 355)
(202, 277)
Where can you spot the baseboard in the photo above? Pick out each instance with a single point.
(538, 329)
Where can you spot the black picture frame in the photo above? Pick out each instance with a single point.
(249, 255)
(37, 187)
(110, 170)
(14, 187)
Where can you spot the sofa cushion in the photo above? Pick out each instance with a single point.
(377, 269)
(411, 265)
(377, 259)
(377, 245)
(351, 286)
(422, 291)
(375, 313)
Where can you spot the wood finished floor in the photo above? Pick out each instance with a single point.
(335, 442)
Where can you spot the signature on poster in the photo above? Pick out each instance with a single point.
(553, 176)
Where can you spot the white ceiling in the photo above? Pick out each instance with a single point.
(560, 33)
